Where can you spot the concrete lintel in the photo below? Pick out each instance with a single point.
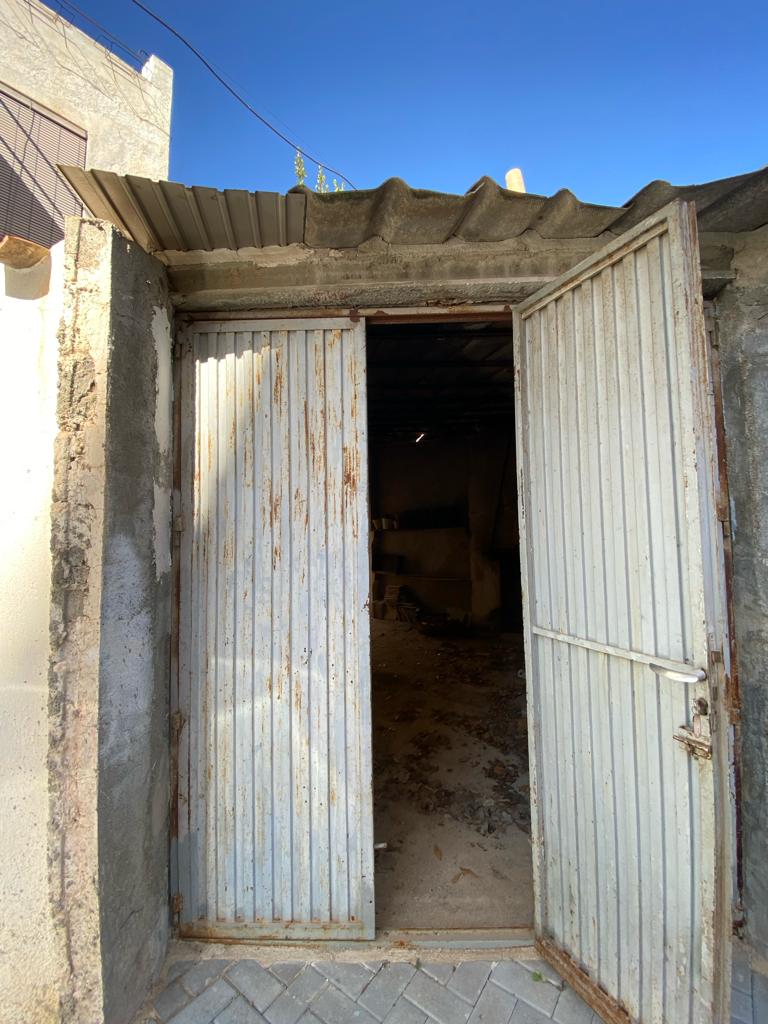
(379, 295)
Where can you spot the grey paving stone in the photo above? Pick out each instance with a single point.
(571, 1009)
(440, 972)
(521, 983)
(386, 988)
(468, 979)
(306, 984)
(760, 996)
(526, 1014)
(404, 1012)
(333, 1007)
(180, 967)
(286, 1009)
(287, 971)
(494, 1006)
(350, 978)
(239, 1011)
(202, 974)
(170, 1000)
(204, 1007)
(309, 1018)
(546, 970)
(742, 973)
(436, 1001)
(258, 986)
(741, 1007)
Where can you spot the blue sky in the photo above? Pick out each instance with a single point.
(600, 98)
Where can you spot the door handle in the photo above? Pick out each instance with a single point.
(696, 675)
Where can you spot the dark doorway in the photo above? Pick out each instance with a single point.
(451, 799)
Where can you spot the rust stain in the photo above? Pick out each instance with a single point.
(275, 556)
(351, 461)
(277, 390)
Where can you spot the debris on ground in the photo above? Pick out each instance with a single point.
(450, 727)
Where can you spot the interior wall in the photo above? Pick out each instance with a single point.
(742, 311)
(454, 499)
(110, 625)
(32, 960)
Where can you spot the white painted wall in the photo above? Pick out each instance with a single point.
(29, 959)
(126, 113)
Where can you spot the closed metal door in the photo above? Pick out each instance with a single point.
(273, 701)
(625, 629)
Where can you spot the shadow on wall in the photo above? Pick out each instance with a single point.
(23, 213)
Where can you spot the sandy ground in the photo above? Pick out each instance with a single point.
(450, 780)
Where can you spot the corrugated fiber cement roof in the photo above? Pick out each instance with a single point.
(166, 216)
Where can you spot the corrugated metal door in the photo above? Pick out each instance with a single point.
(274, 732)
(625, 630)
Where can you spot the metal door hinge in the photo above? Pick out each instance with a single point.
(178, 524)
(177, 903)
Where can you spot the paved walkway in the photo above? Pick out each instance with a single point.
(383, 992)
(332, 992)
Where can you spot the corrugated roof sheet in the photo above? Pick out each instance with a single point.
(168, 216)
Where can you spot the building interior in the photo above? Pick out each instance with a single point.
(451, 793)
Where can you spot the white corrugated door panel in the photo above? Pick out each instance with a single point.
(274, 832)
(626, 642)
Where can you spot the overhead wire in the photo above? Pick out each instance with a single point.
(73, 9)
(240, 99)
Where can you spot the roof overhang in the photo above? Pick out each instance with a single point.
(166, 217)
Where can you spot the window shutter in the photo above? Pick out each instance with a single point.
(34, 198)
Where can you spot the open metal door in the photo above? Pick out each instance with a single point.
(272, 716)
(625, 624)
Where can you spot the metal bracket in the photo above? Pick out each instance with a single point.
(698, 746)
(697, 740)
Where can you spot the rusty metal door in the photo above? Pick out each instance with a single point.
(273, 698)
(625, 624)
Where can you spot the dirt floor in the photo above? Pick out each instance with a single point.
(450, 775)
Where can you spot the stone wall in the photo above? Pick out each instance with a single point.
(126, 113)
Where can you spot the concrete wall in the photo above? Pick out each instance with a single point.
(31, 958)
(110, 625)
(743, 330)
(126, 113)
(134, 793)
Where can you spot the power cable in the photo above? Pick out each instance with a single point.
(71, 8)
(237, 95)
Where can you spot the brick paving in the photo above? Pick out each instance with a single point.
(332, 992)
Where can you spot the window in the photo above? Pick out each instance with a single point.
(34, 198)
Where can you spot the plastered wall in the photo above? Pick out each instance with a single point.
(31, 956)
(742, 311)
(110, 632)
(126, 113)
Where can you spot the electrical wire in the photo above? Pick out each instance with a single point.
(71, 8)
(240, 99)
